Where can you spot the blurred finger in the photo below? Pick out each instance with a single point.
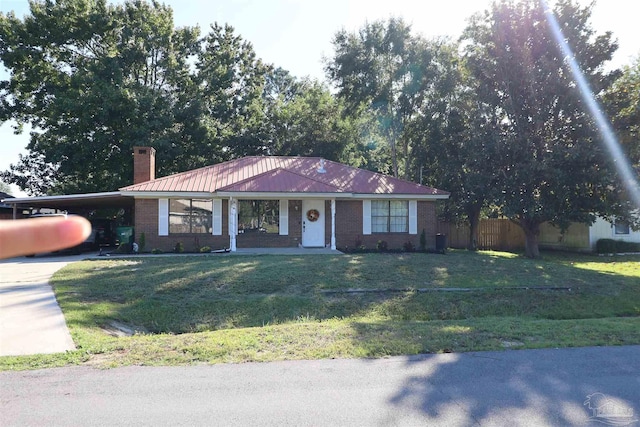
(37, 235)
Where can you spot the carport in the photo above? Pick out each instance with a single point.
(110, 213)
(80, 204)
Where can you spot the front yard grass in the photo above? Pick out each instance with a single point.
(221, 308)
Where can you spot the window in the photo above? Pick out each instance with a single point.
(621, 227)
(390, 216)
(259, 216)
(190, 216)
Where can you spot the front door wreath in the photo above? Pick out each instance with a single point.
(313, 215)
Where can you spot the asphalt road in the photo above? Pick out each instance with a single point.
(510, 388)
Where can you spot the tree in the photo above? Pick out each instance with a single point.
(623, 104)
(231, 82)
(455, 141)
(33, 173)
(93, 80)
(4, 188)
(462, 162)
(426, 104)
(384, 69)
(305, 119)
(551, 163)
(622, 100)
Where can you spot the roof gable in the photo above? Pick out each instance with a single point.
(283, 175)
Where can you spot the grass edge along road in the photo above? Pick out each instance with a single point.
(264, 308)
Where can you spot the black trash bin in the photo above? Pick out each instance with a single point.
(441, 243)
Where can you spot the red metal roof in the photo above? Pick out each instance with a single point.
(280, 181)
(282, 175)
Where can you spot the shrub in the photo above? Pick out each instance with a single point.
(605, 246)
(205, 249)
(408, 246)
(610, 246)
(142, 242)
(382, 246)
(628, 246)
(178, 248)
(156, 251)
(423, 241)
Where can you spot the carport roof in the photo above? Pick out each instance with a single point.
(93, 200)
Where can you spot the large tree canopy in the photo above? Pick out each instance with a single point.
(95, 79)
(552, 164)
(305, 119)
(386, 70)
(456, 143)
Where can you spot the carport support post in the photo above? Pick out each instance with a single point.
(15, 211)
(333, 224)
(233, 223)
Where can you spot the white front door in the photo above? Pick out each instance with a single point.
(313, 223)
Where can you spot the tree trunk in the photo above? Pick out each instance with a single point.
(394, 159)
(474, 225)
(405, 149)
(531, 232)
(394, 155)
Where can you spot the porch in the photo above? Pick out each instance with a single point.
(239, 251)
(286, 251)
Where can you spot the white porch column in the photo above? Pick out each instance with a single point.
(333, 224)
(233, 223)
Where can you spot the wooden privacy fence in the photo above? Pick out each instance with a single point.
(494, 233)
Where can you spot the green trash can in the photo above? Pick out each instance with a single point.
(125, 234)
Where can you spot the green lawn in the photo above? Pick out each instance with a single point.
(220, 308)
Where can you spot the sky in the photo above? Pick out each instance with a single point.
(296, 34)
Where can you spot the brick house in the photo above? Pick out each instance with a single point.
(278, 202)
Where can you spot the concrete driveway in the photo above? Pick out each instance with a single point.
(31, 321)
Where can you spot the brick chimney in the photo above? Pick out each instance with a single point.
(144, 164)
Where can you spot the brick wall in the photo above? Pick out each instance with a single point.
(348, 229)
(146, 220)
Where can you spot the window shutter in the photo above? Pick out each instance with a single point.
(284, 217)
(217, 217)
(366, 217)
(413, 217)
(163, 217)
